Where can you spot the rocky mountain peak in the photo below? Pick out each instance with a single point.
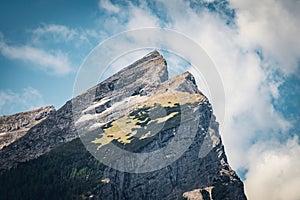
(150, 69)
(165, 139)
(154, 53)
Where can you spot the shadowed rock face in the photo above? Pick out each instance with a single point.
(139, 111)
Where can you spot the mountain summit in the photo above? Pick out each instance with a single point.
(136, 135)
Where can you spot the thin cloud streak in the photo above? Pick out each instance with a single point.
(56, 63)
(63, 32)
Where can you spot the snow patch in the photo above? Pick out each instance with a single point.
(96, 104)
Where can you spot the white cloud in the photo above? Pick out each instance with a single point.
(59, 32)
(274, 171)
(107, 5)
(273, 25)
(141, 18)
(54, 62)
(12, 102)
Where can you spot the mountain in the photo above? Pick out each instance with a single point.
(136, 135)
(16, 126)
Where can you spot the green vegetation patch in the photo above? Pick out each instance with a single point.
(67, 172)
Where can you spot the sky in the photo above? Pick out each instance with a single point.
(254, 46)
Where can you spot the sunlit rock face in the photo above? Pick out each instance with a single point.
(140, 112)
(59, 126)
(13, 127)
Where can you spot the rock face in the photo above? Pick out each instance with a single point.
(158, 138)
(59, 127)
(199, 194)
(15, 126)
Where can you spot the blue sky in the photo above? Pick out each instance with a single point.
(254, 46)
(18, 22)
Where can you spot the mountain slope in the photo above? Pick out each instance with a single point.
(15, 126)
(59, 127)
(155, 138)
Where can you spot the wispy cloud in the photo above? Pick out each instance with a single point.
(141, 17)
(107, 5)
(12, 102)
(56, 62)
(59, 32)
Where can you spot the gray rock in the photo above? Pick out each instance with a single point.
(59, 127)
(14, 127)
(171, 118)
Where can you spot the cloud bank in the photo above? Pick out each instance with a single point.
(275, 173)
(273, 26)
